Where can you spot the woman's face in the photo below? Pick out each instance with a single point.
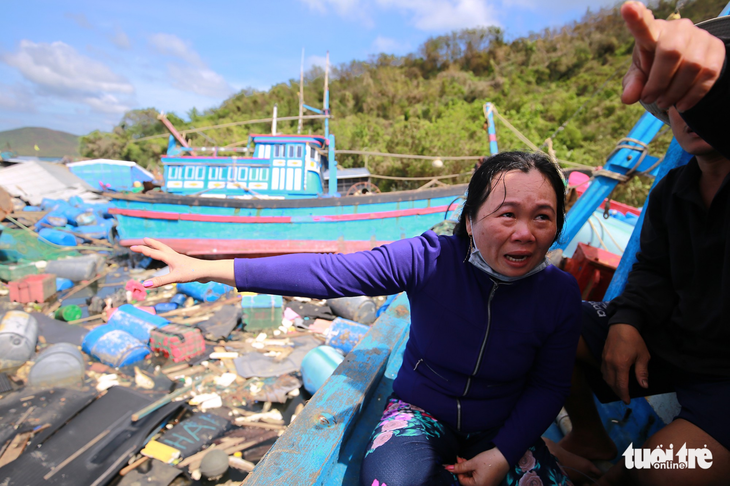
(516, 225)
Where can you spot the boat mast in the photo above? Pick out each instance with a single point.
(173, 131)
(489, 118)
(301, 94)
(273, 121)
(327, 97)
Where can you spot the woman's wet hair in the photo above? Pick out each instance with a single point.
(485, 177)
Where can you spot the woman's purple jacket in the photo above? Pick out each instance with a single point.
(482, 354)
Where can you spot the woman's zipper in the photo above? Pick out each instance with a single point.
(427, 366)
(479, 358)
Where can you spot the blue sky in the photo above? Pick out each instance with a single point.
(78, 65)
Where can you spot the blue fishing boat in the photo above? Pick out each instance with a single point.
(277, 195)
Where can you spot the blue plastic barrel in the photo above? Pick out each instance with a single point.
(179, 299)
(55, 218)
(114, 347)
(136, 322)
(63, 284)
(57, 237)
(318, 365)
(48, 204)
(344, 334)
(205, 292)
(98, 231)
(165, 307)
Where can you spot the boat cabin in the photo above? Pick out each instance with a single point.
(281, 166)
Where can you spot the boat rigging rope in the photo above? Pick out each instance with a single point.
(233, 124)
(60, 247)
(585, 103)
(531, 145)
(404, 156)
(610, 235)
(394, 178)
(600, 240)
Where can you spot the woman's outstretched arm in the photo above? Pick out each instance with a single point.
(184, 268)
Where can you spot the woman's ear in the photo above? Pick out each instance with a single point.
(468, 225)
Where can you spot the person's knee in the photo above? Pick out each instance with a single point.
(396, 470)
(674, 436)
(583, 355)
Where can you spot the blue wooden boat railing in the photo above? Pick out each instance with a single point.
(326, 441)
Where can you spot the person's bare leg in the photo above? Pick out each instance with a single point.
(616, 476)
(678, 433)
(588, 438)
(578, 469)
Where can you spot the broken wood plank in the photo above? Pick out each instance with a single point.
(126, 470)
(75, 289)
(15, 449)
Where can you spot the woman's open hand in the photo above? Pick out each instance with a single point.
(485, 469)
(182, 268)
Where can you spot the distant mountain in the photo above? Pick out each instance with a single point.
(51, 143)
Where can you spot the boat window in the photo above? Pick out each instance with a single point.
(189, 172)
(174, 172)
(279, 150)
(267, 152)
(242, 173)
(199, 173)
(215, 173)
(312, 153)
(299, 151)
(291, 151)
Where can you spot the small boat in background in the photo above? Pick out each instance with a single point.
(115, 175)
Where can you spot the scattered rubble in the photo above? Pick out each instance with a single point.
(185, 383)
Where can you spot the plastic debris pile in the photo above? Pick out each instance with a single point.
(185, 384)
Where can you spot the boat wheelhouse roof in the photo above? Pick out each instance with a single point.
(263, 138)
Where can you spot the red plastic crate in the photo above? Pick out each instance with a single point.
(33, 288)
(177, 342)
(593, 268)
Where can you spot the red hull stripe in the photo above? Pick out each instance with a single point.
(250, 248)
(213, 218)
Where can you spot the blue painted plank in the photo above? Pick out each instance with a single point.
(312, 446)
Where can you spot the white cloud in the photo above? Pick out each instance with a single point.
(561, 5)
(199, 80)
(120, 39)
(312, 61)
(435, 15)
(193, 75)
(387, 45)
(106, 103)
(172, 45)
(427, 15)
(59, 68)
(57, 72)
(342, 7)
(356, 10)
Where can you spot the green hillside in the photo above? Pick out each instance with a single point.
(430, 102)
(51, 143)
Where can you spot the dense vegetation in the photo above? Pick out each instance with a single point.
(51, 143)
(430, 102)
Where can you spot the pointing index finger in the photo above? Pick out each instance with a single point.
(642, 25)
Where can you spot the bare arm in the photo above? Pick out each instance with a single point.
(184, 268)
